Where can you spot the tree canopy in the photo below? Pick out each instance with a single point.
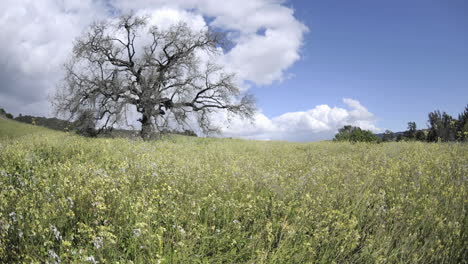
(160, 73)
(355, 134)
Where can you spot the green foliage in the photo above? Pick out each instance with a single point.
(355, 134)
(85, 124)
(442, 127)
(420, 135)
(399, 137)
(411, 132)
(185, 132)
(4, 113)
(52, 123)
(462, 125)
(388, 136)
(193, 200)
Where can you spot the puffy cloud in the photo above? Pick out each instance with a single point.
(267, 36)
(38, 37)
(318, 123)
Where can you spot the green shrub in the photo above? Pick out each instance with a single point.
(4, 113)
(355, 134)
(85, 124)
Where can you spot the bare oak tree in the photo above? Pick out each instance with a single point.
(112, 68)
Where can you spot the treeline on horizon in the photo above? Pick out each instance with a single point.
(442, 127)
(82, 126)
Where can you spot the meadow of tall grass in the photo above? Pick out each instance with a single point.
(69, 199)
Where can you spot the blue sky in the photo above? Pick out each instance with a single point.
(400, 59)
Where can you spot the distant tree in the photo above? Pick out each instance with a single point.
(434, 120)
(355, 134)
(420, 135)
(189, 132)
(399, 137)
(449, 128)
(441, 126)
(186, 132)
(5, 114)
(411, 132)
(52, 123)
(85, 124)
(388, 136)
(25, 119)
(165, 80)
(462, 125)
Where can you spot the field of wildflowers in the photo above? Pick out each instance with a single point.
(68, 199)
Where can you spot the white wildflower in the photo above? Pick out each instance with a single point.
(57, 234)
(70, 201)
(181, 229)
(54, 255)
(91, 259)
(136, 232)
(98, 242)
(13, 216)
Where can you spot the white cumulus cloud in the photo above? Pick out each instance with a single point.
(318, 123)
(37, 38)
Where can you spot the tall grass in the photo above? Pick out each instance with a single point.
(69, 199)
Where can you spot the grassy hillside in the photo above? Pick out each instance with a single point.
(193, 200)
(13, 129)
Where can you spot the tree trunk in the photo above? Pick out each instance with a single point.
(146, 129)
